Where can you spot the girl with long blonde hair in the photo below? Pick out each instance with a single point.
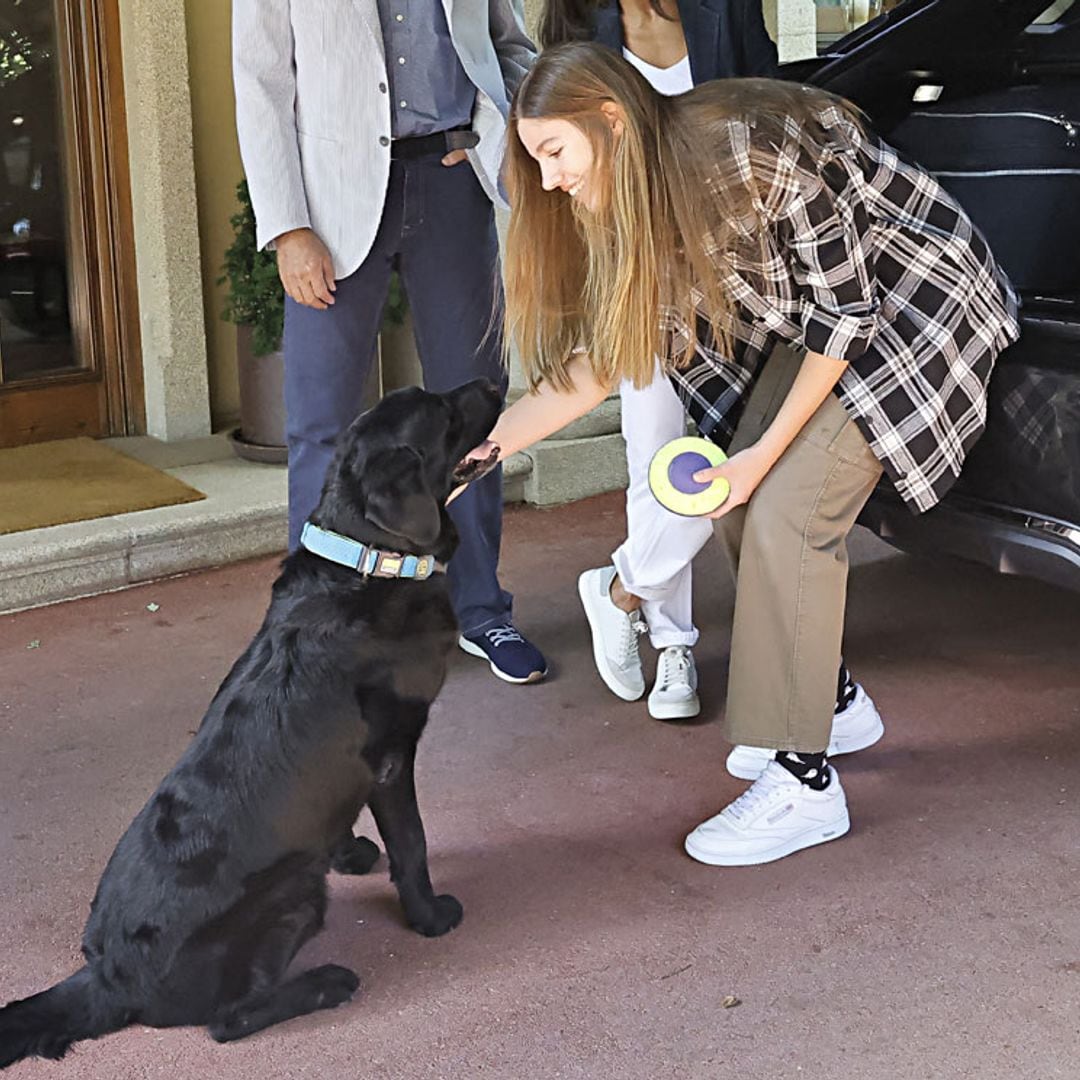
(825, 312)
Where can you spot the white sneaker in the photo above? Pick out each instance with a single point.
(774, 817)
(675, 696)
(614, 635)
(854, 728)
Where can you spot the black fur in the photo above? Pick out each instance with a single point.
(222, 876)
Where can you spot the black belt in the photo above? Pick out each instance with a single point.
(438, 143)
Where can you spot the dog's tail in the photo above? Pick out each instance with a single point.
(48, 1023)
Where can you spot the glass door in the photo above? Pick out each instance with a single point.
(64, 336)
(35, 322)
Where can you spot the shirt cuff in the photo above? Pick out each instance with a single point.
(843, 337)
(266, 235)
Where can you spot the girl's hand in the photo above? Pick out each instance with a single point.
(817, 376)
(744, 471)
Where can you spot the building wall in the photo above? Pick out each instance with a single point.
(217, 172)
(164, 218)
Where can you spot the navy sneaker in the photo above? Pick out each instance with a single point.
(511, 657)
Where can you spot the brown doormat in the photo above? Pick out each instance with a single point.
(53, 483)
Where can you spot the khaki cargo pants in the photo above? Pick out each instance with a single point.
(788, 551)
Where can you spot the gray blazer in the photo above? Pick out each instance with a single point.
(313, 112)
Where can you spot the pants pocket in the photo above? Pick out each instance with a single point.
(833, 430)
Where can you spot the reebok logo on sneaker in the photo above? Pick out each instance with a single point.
(780, 814)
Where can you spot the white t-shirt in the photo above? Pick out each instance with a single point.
(670, 80)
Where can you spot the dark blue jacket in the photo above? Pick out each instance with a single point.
(724, 38)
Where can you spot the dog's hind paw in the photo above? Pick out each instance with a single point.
(354, 855)
(335, 984)
(445, 913)
(323, 987)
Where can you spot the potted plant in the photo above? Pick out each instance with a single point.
(255, 302)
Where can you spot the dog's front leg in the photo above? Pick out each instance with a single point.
(393, 802)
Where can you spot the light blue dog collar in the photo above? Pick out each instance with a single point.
(369, 561)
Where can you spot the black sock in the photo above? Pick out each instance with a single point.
(845, 689)
(809, 769)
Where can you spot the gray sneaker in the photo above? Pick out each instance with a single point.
(614, 635)
(675, 696)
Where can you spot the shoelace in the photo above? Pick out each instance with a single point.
(501, 635)
(674, 667)
(762, 790)
(633, 627)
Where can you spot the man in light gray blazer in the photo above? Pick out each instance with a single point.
(358, 124)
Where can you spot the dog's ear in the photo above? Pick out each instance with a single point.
(397, 496)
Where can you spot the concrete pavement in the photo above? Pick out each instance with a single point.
(940, 938)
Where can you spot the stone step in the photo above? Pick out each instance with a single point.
(244, 515)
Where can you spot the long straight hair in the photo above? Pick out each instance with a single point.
(572, 20)
(674, 208)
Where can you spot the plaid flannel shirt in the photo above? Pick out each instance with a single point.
(867, 259)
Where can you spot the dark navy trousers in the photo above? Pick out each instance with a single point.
(438, 228)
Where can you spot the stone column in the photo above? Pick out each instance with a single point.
(166, 228)
(793, 26)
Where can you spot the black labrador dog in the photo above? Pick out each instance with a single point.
(221, 878)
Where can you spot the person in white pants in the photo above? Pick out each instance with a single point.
(675, 45)
(653, 563)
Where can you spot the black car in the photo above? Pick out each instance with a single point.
(985, 94)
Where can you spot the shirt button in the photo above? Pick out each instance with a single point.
(403, 104)
(401, 59)
(383, 140)
(382, 88)
(400, 18)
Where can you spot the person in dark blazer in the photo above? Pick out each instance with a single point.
(724, 38)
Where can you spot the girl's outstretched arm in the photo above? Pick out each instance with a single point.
(533, 417)
(536, 415)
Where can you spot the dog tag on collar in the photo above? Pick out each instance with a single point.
(389, 565)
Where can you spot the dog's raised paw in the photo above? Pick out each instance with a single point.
(446, 912)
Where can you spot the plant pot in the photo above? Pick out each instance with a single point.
(398, 358)
(261, 435)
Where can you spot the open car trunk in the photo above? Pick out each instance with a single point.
(989, 102)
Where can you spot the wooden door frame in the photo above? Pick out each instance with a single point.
(103, 290)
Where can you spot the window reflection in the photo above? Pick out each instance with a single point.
(835, 18)
(35, 330)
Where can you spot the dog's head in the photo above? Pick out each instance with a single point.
(397, 464)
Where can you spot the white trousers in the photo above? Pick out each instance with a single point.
(654, 562)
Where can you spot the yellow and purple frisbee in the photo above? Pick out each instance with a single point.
(671, 476)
